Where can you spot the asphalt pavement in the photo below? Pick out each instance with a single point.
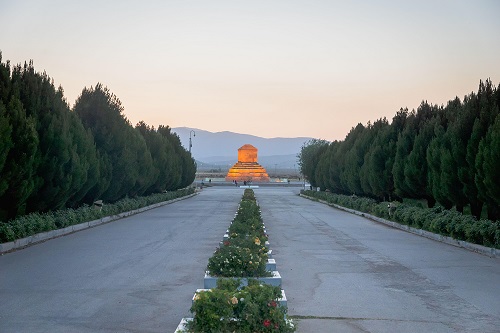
(137, 274)
(341, 272)
(344, 273)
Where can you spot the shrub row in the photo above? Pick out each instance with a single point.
(437, 220)
(34, 223)
(244, 253)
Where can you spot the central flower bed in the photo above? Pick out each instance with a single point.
(231, 308)
(242, 257)
(242, 289)
(244, 252)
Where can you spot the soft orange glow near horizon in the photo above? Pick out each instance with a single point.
(271, 69)
(247, 169)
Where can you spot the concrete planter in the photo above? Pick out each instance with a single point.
(271, 265)
(274, 280)
(181, 328)
(182, 325)
(282, 300)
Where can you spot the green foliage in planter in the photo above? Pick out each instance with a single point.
(249, 194)
(34, 223)
(247, 210)
(254, 308)
(237, 261)
(437, 220)
(248, 220)
(244, 254)
(251, 227)
(253, 242)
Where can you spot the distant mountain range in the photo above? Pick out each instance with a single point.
(221, 148)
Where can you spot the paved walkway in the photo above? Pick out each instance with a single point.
(137, 274)
(341, 272)
(344, 273)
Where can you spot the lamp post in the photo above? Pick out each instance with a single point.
(190, 144)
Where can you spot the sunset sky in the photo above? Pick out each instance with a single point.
(268, 68)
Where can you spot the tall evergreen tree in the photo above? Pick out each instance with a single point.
(6, 141)
(356, 146)
(376, 173)
(416, 169)
(18, 172)
(440, 164)
(174, 174)
(381, 161)
(452, 151)
(60, 170)
(410, 166)
(120, 147)
(308, 158)
(187, 163)
(335, 168)
(483, 107)
(404, 146)
(487, 178)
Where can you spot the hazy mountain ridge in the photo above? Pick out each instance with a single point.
(221, 148)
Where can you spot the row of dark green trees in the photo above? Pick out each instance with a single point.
(445, 154)
(52, 156)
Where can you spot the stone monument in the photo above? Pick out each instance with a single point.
(247, 168)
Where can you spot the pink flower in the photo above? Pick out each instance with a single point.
(267, 323)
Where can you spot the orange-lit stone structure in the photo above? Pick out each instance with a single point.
(247, 168)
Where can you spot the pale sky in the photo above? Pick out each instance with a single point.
(268, 68)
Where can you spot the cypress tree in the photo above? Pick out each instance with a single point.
(174, 175)
(308, 158)
(61, 170)
(355, 151)
(118, 144)
(18, 172)
(487, 178)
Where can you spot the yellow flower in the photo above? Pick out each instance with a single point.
(234, 300)
(257, 241)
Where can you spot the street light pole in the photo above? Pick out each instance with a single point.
(190, 143)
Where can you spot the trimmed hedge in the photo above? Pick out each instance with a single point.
(34, 223)
(437, 220)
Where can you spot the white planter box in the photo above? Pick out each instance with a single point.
(181, 328)
(271, 265)
(274, 280)
(282, 300)
(182, 325)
